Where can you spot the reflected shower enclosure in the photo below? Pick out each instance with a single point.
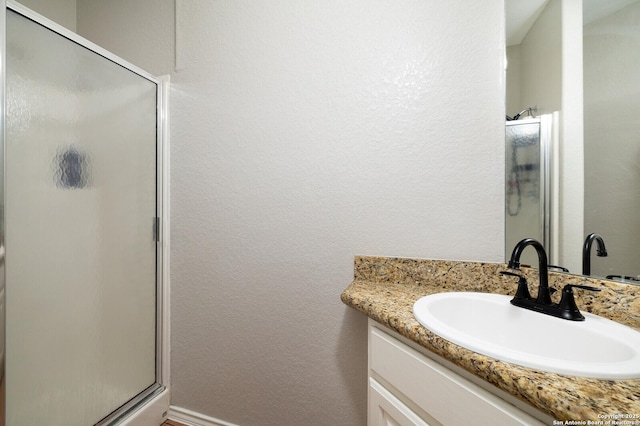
(82, 203)
(527, 191)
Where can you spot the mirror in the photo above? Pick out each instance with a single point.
(579, 60)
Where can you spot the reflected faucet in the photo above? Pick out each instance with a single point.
(586, 252)
(544, 295)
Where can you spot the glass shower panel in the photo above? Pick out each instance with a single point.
(524, 201)
(81, 254)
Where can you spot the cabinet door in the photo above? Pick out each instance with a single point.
(387, 410)
(439, 393)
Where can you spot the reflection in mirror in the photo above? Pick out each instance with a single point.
(526, 184)
(612, 134)
(584, 66)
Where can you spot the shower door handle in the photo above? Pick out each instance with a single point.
(156, 229)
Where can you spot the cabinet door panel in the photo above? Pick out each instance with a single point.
(444, 395)
(387, 410)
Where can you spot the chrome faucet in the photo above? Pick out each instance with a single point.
(544, 296)
(586, 252)
(567, 307)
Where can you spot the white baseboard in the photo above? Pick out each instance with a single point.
(152, 413)
(191, 418)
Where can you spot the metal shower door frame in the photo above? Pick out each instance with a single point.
(158, 393)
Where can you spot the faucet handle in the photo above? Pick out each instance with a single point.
(523, 289)
(567, 304)
(561, 268)
(568, 287)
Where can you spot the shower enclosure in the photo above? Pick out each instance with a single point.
(83, 247)
(528, 185)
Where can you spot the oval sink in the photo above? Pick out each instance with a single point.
(488, 324)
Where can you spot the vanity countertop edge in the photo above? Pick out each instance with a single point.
(386, 288)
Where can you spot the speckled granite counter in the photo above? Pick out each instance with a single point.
(385, 289)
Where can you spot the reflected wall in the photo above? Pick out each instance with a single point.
(612, 139)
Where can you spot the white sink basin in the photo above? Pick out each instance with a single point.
(488, 324)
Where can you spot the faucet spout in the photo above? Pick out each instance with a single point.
(586, 251)
(544, 295)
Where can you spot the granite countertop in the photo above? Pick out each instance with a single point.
(385, 289)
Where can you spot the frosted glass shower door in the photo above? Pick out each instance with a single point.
(80, 208)
(527, 185)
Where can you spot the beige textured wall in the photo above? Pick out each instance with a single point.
(62, 12)
(304, 133)
(140, 31)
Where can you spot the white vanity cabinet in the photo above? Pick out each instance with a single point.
(407, 387)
